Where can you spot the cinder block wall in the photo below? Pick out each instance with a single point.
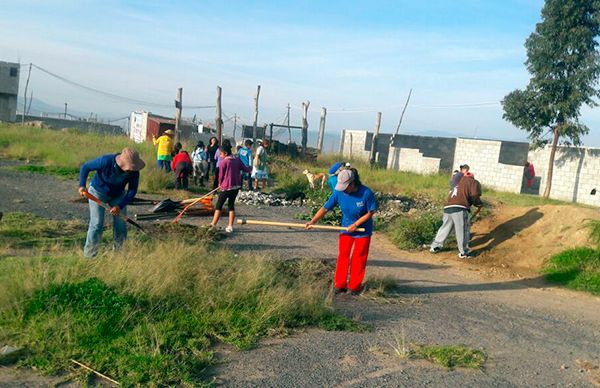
(354, 144)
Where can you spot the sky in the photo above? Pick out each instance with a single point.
(460, 58)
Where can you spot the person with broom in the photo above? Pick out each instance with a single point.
(114, 172)
(230, 183)
(358, 206)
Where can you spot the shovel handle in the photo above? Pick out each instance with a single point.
(92, 197)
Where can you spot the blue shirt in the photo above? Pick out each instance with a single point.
(110, 180)
(354, 206)
(245, 155)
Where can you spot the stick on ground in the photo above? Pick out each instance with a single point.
(294, 225)
(95, 372)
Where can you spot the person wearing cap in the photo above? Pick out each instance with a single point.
(467, 193)
(260, 171)
(333, 173)
(114, 172)
(164, 154)
(358, 205)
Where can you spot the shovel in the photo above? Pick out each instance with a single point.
(121, 216)
(168, 205)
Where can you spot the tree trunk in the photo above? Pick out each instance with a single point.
(551, 162)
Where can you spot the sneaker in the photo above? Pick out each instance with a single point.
(339, 291)
(465, 255)
(355, 292)
(435, 249)
(229, 229)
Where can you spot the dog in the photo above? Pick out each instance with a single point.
(315, 178)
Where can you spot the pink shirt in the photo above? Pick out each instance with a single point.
(230, 176)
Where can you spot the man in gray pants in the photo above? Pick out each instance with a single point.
(456, 214)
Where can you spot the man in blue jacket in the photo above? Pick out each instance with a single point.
(114, 172)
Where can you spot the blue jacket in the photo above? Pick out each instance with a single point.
(110, 180)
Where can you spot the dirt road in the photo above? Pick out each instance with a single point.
(535, 335)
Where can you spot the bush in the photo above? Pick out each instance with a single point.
(578, 269)
(412, 232)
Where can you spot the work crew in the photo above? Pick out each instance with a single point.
(114, 172)
(456, 213)
(164, 153)
(230, 183)
(358, 205)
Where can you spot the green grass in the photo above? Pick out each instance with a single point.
(577, 269)
(63, 172)
(152, 312)
(23, 230)
(411, 232)
(451, 356)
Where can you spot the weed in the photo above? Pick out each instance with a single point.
(23, 230)
(63, 172)
(412, 232)
(452, 356)
(401, 347)
(594, 226)
(578, 269)
(334, 322)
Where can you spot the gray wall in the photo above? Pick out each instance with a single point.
(86, 126)
(431, 147)
(9, 88)
(8, 107)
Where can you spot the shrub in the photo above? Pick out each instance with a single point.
(412, 232)
(578, 269)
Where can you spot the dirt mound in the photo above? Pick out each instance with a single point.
(520, 239)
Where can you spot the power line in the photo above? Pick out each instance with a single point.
(112, 95)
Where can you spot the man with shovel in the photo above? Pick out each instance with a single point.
(113, 173)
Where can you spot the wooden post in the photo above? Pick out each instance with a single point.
(351, 144)
(342, 139)
(270, 133)
(255, 114)
(178, 108)
(66, 110)
(321, 129)
(305, 106)
(288, 124)
(375, 138)
(218, 119)
(235, 126)
(25, 95)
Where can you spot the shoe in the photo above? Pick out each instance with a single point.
(229, 229)
(355, 292)
(339, 291)
(465, 255)
(435, 249)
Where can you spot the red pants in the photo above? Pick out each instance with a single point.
(357, 264)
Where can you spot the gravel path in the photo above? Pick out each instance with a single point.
(534, 335)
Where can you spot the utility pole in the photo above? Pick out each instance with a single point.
(178, 107)
(288, 124)
(305, 106)
(235, 126)
(65, 110)
(321, 129)
(375, 138)
(255, 114)
(25, 96)
(218, 119)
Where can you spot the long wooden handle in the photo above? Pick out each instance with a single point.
(243, 221)
(192, 204)
(92, 197)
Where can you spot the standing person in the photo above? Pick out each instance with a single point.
(456, 214)
(260, 165)
(230, 182)
(182, 165)
(245, 155)
(200, 160)
(165, 150)
(213, 146)
(358, 205)
(218, 160)
(333, 173)
(529, 174)
(114, 172)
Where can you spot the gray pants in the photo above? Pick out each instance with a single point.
(461, 224)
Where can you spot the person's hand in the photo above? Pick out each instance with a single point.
(309, 225)
(115, 210)
(352, 228)
(82, 190)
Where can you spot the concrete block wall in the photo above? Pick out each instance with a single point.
(354, 144)
(412, 160)
(482, 156)
(576, 173)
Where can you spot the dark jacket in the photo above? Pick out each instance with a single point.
(466, 194)
(110, 180)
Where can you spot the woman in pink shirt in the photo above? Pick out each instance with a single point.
(230, 183)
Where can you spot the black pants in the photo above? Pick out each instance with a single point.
(216, 178)
(182, 173)
(229, 196)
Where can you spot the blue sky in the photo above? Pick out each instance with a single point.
(353, 57)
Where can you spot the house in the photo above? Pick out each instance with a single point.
(9, 89)
(144, 125)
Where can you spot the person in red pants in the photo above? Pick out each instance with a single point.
(358, 205)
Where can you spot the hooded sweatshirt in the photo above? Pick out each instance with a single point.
(466, 193)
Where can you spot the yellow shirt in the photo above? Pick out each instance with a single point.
(165, 145)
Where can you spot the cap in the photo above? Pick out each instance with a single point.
(168, 132)
(129, 160)
(345, 178)
(463, 164)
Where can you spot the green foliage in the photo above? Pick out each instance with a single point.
(594, 226)
(452, 356)
(335, 322)
(577, 269)
(562, 58)
(21, 230)
(63, 172)
(412, 232)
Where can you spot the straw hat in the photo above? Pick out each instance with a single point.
(129, 160)
(168, 132)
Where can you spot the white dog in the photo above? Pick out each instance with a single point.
(312, 178)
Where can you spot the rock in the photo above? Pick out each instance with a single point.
(563, 366)
(10, 354)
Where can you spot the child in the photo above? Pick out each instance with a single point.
(200, 159)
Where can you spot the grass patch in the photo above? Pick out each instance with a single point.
(577, 269)
(24, 230)
(63, 172)
(594, 226)
(152, 312)
(451, 356)
(411, 232)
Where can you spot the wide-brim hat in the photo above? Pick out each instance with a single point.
(169, 132)
(129, 160)
(345, 179)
